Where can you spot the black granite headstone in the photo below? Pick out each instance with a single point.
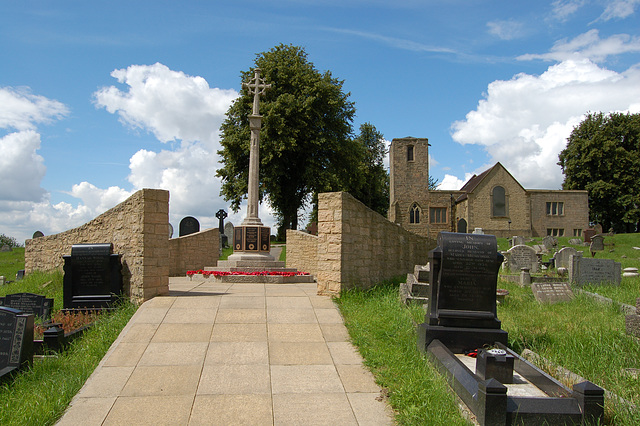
(462, 301)
(189, 225)
(16, 340)
(29, 303)
(92, 276)
(38, 234)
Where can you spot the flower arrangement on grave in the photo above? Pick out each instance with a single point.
(217, 274)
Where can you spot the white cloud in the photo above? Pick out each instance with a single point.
(619, 9)
(21, 110)
(524, 122)
(21, 167)
(170, 104)
(562, 9)
(506, 29)
(451, 182)
(589, 45)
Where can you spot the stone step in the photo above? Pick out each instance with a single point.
(259, 279)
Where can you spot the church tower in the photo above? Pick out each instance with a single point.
(409, 183)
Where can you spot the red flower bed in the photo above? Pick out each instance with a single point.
(224, 273)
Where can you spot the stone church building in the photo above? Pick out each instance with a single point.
(493, 200)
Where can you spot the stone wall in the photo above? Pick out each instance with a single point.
(194, 251)
(138, 228)
(302, 251)
(357, 247)
(574, 219)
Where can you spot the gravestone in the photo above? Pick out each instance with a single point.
(462, 300)
(5, 248)
(92, 276)
(16, 340)
(522, 256)
(597, 244)
(551, 292)
(549, 242)
(630, 272)
(29, 303)
(585, 270)
(37, 234)
(189, 225)
(228, 229)
(478, 231)
(222, 215)
(587, 234)
(575, 242)
(563, 256)
(20, 275)
(632, 321)
(170, 231)
(517, 241)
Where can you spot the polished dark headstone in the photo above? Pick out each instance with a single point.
(16, 340)
(92, 276)
(29, 303)
(462, 301)
(189, 225)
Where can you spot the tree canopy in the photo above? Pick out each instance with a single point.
(306, 143)
(603, 157)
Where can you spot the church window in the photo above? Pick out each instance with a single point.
(555, 208)
(577, 232)
(414, 213)
(438, 214)
(499, 201)
(555, 232)
(409, 152)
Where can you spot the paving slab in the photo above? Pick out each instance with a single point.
(209, 353)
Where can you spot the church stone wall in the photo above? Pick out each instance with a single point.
(138, 228)
(357, 247)
(575, 217)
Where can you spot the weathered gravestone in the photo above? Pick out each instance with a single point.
(632, 321)
(228, 229)
(37, 234)
(92, 276)
(29, 303)
(551, 292)
(520, 256)
(170, 231)
(597, 244)
(517, 241)
(5, 248)
(563, 256)
(462, 301)
(222, 215)
(16, 340)
(549, 242)
(585, 270)
(189, 225)
(630, 272)
(575, 242)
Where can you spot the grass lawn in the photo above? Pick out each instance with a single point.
(11, 262)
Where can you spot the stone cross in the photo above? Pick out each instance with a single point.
(257, 87)
(221, 215)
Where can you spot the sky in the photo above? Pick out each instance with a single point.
(100, 99)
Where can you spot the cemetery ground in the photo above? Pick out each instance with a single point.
(584, 336)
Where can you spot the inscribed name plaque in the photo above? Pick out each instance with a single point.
(584, 270)
(462, 300)
(551, 292)
(92, 276)
(16, 340)
(29, 303)
(251, 238)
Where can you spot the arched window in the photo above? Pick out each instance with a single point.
(414, 213)
(409, 152)
(499, 201)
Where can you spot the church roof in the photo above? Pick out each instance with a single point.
(475, 180)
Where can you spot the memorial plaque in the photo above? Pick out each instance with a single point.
(29, 303)
(251, 238)
(189, 225)
(92, 276)
(265, 238)
(551, 292)
(521, 256)
(238, 239)
(16, 340)
(585, 270)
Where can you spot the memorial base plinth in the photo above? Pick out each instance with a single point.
(458, 339)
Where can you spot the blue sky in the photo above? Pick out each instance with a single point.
(99, 99)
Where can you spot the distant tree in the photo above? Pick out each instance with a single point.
(433, 183)
(305, 143)
(603, 157)
(9, 241)
(370, 183)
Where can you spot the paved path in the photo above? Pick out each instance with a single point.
(232, 354)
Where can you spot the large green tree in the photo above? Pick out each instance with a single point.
(306, 143)
(603, 157)
(371, 184)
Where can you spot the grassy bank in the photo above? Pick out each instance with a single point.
(40, 394)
